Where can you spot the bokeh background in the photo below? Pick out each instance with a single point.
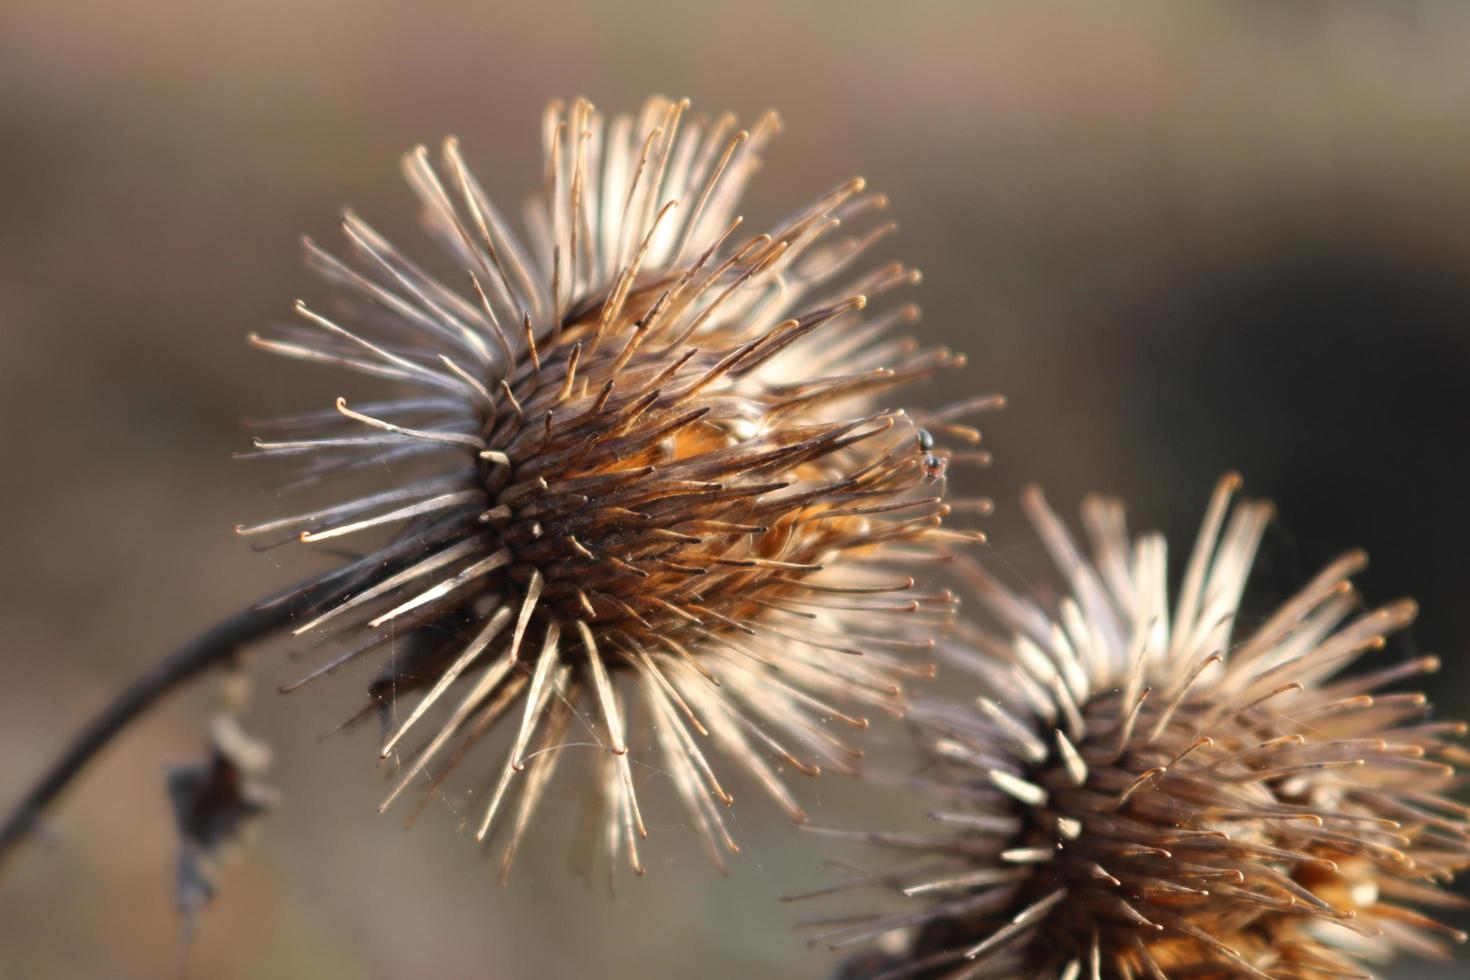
(1181, 237)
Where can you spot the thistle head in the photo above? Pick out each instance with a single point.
(643, 473)
(1151, 787)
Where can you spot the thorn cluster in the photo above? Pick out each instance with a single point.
(642, 487)
(1147, 791)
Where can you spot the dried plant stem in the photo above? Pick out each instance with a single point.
(212, 648)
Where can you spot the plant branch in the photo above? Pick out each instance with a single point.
(212, 648)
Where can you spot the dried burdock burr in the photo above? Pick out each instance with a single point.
(635, 480)
(1147, 789)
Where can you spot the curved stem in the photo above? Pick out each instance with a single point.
(212, 648)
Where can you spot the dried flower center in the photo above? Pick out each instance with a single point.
(637, 488)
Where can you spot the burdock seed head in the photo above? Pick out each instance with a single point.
(1161, 789)
(636, 474)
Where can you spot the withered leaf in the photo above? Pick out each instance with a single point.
(214, 803)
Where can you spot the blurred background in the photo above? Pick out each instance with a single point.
(1181, 237)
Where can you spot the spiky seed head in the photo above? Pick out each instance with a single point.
(1147, 789)
(638, 474)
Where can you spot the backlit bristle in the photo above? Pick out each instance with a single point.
(640, 484)
(1150, 788)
